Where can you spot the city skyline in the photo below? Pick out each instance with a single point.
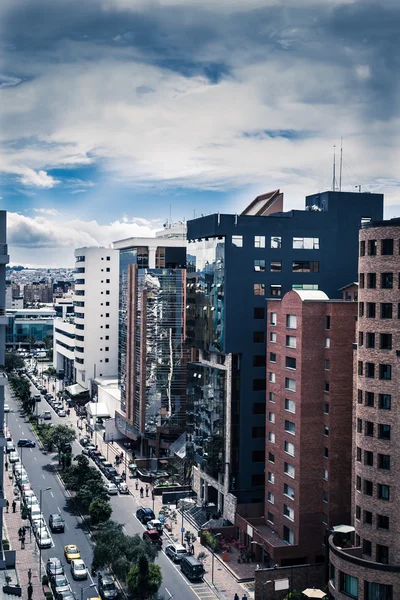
(116, 116)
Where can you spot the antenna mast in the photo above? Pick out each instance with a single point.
(341, 164)
(334, 182)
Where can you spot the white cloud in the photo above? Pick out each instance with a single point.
(39, 179)
(47, 211)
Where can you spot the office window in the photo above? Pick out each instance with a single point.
(371, 310)
(272, 337)
(382, 554)
(288, 512)
(288, 490)
(290, 405)
(291, 341)
(259, 313)
(272, 397)
(369, 398)
(271, 417)
(385, 372)
(386, 310)
(387, 281)
(382, 522)
(275, 290)
(370, 339)
(259, 360)
(276, 266)
(259, 289)
(258, 337)
(348, 585)
(271, 457)
(272, 318)
(291, 321)
(368, 458)
(369, 370)
(384, 462)
(270, 517)
(259, 265)
(385, 401)
(259, 241)
(289, 448)
(305, 266)
(371, 281)
(290, 362)
(271, 437)
(271, 377)
(258, 408)
(387, 247)
(377, 591)
(276, 242)
(271, 477)
(289, 469)
(367, 547)
(271, 498)
(368, 487)
(290, 427)
(288, 535)
(237, 240)
(327, 364)
(386, 341)
(372, 246)
(369, 428)
(305, 243)
(290, 384)
(258, 432)
(383, 491)
(327, 343)
(257, 480)
(383, 431)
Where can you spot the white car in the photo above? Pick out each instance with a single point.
(10, 447)
(30, 501)
(112, 489)
(43, 538)
(29, 494)
(13, 458)
(123, 488)
(176, 552)
(78, 569)
(6, 408)
(35, 513)
(62, 413)
(20, 472)
(39, 525)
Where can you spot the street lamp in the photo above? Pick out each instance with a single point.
(262, 565)
(40, 546)
(213, 554)
(83, 589)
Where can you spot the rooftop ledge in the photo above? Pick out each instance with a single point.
(353, 554)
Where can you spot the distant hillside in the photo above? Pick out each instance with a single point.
(16, 268)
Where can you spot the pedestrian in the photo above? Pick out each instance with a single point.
(14, 506)
(7, 505)
(29, 574)
(147, 491)
(192, 549)
(236, 597)
(141, 492)
(23, 543)
(244, 597)
(30, 591)
(20, 532)
(6, 465)
(137, 484)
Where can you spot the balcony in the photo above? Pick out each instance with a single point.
(4, 257)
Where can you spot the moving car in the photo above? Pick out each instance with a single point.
(59, 583)
(46, 415)
(123, 488)
(144, 515)
(43, 538)
(26, 444)
(112, 489)
(54, 566)
(57, 523)
(192, 568)
(153, 536)
(78, 569)
(106, 586)
(71, 552)
(176, 552)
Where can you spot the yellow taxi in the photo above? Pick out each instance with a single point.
(71, 552)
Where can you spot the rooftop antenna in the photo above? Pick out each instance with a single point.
(359, 188)
(170, 215)
(341, 164)
(334, 182)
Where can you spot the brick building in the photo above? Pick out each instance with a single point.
(38, 292)
(365, 564)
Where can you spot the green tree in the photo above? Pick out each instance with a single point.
(99, 511)
(80, 474)
(48, 344)
(91, 490)
(31, 341)
(295, 595)
(13, 361)
(144, 579)
(61, 435)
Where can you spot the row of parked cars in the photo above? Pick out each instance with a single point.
(117, 483)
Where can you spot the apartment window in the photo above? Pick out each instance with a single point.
(368, 458)
(369, 370)
(360, 367)
(385, 372)
(361, 309)
(369, 399)
(290, 427)
(387, 281)
(305, 243)
(361, 280)
(258, 432)
(258, 456)
(258, 360)
(270, 517)
(387, 247)
(370, 339)
(271, 457)
(369, 428)
(271, 477)
(358, 454)
(288, 490)
(382, 554)
(271, 437)
(258, 408)
(327, 364)
(386, 341)
(326, 452)
(327, 322)
(305, 266)
(272, 357)
(348, 585)
(289, 448)
(383, 431)
(326, 387)
(276, 242)
(258, 337)
(358, 483)
(371, 310)
(275, 290)
(290, 405)
(362, 248)
(358, 513)
(259, 265)
(259, 241)
(325, 496)
(276, 266)
(386, 310)
(272, 397)
(325, 474)
(384, 462)
(291, 341)
(359, 425)
(291, 321)
(272, 377)
(372, 245)
(377, 591)
(289, 469)
(271, 417)
(272, 318)
(288, 535)
(326, 408)
(367, 547)
(272, 337)
(368, 487)
(288, 512)
(383, 491)
(382, 522)
(290, 384)
(271, 498)
(237, 240)
(359, 396)
(371, 281)
(385, 401)
(258, 313)
(290, 362)
(327, 343)
(259, 289)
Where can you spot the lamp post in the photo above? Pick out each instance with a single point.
(217, 535)
(262, 589)
(83, 589)
(262, 565)
(40, 547)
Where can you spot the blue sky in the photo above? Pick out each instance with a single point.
(114, 112)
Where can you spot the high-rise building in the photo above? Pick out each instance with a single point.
(235, 263)
(4, 259)
(38, 292)
(365, 561)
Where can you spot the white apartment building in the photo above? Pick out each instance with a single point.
(90, 338)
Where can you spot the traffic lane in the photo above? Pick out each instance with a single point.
(54, 501)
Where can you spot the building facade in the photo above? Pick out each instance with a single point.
(29, 326)
(4, 259)
(38, 292)
(366, 565)
(235, 263)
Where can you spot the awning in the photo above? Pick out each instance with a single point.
(76, 389)
(343, 529)
(98, 410)
(313, 593)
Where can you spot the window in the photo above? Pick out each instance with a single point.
(259, 265)
(385, 372)
(361, 280)
(107, 326)
(272, 318)
(258, 337)
(387, 281)
(326, 452)
(276, 242)
(358, 454)
(327, 364)
(348, 585)
(377, 591)
(270, 517)
(384, 462)
(369, 370)
(368, 428)
(386, 310)
(290, 384)
(290, 362)
(327, 322)
(257, 480)
(326, 430)
(288, 490)
(326, 386)
(291, 341)
(259, 289)
(271, 377)
(386, 341)
(259, 385)
(275, 290)
(272, 357)
(307, 243)
(387, 247)
(258, 313)
(372, 245)
(108, 269)
(369, 398)
(271, 457)
(368, 487)
(370, 339)
(325, 496)
(327, 343)
(258, 456)
(359, 425)
(382, 522)
(258, 432)
(367, 547)
(383, 491)
(325, 474)
(371, 281)
(305, 266)
(237, 240)
(259, 241)
(290, 405)
(258, 360)
(358, 513)
(271, 437)
(361, 309)
(360, 367)
(290, 427)
(383, 431)
(258, 408)
(271, 417)
(289, 448)
(371, 310)
(326, 408)
(358, 483)
(271, 498)
(272, 337)
(291, 321)
(288, 512)
(362, 248)
(368, 458)
(385, 401)
(276, 266)
(359, 396)
(288, 535)
(271, 477)
(382, 554)
(289, 469)
(272, 397)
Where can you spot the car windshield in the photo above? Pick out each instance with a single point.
(181, 551)
(57, 519)
(61, 580)
(80, 567)
(108, 585)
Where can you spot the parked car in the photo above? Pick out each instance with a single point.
(46, 415)
(65, 595)
(117, 479)
(175, 551)
(101, 459)
(43, 538)
(78, 569)
(155, 524)
(110, 473)
(112, 489)
(123, 488)
(59, 583)
(6, 408)
(84, 441)
(144, 515)
(38, 525)
(192, 568)
(153, 536)
(10, 447)
(54, 567)
(106, 586)
(56, 523)
(26, 444)
(13, 458)
(62, 413)
(87, 448)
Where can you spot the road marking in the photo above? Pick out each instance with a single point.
(168, 592)
(43, 476)
(204, 590)
(35, 457)
(52, 494)
(59, 509)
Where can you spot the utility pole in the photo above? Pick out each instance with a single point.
(341, 165)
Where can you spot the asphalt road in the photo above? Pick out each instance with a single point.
(55, 500)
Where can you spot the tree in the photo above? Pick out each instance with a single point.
(60, 436)
(144, 579)
(295, 595)
(31, 341)
(99, 511)
(13, 361)
(80, 474)
(90, 491)
(48, 344)
(22, 390)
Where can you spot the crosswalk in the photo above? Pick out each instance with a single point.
(203, 592)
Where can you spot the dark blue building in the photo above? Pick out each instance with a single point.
(235, 263)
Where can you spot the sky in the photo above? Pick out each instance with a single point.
(116, 115)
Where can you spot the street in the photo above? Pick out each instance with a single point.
(55, 500)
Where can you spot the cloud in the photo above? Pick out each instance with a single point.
(47, 211)
(39, 179)
(8, 80)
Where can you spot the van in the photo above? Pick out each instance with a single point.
(192, 568)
